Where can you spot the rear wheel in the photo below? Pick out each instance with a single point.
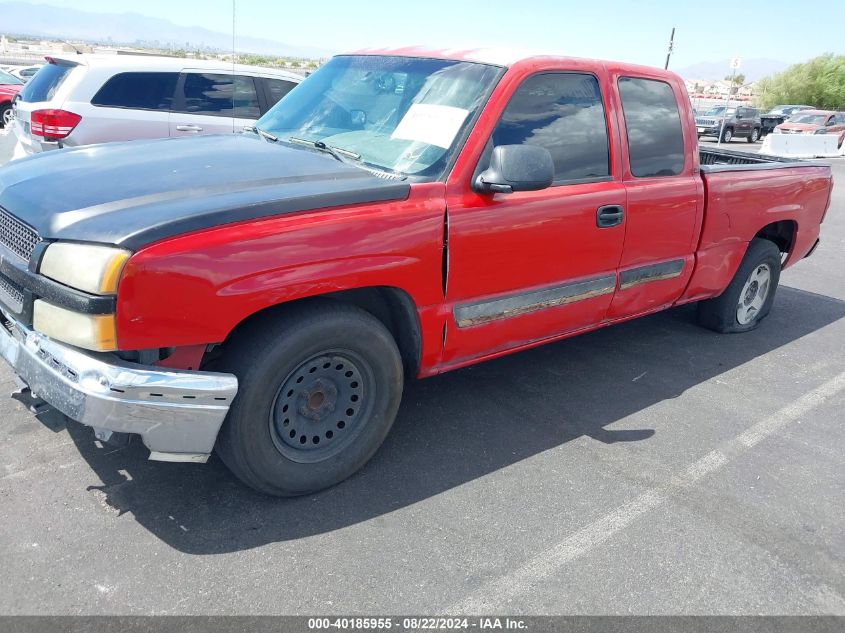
(727, 135)
(319, 389)
(748, 298)
(755, 134)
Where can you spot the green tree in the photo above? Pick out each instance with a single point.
(819, 82)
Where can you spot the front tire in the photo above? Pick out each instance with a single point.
(319, 389)
(727, 135)
(748, 298)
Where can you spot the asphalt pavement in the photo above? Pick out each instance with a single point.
(652, 467)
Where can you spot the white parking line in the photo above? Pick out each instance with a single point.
(546, 564)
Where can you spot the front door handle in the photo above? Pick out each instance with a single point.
(189, 128)
(609, 215)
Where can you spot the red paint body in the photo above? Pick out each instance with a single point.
(195, 289)
(8, 92)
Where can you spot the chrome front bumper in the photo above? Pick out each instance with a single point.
(177, 413)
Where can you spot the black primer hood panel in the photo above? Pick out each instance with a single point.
(133, 194)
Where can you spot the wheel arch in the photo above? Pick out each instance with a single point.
(394, 307)
(781, 233)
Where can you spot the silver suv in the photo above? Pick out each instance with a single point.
(85, 99)
(730, 122)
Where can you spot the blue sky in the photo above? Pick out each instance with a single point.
(633, 31)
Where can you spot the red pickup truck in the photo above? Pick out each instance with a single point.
(399, 214)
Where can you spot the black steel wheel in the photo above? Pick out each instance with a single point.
(320, 407)
(319, 385)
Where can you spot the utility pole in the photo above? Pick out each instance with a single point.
(671, 46)
(735, 63)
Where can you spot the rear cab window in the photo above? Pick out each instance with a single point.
(653, 125)
(47, 81)
(138, 90)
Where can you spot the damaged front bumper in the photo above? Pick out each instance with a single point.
(177, 413)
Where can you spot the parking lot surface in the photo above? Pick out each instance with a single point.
(647, 468)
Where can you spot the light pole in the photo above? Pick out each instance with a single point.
(735, 62)
(671, 46)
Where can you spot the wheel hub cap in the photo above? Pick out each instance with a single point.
(319, 405)
(754, 294)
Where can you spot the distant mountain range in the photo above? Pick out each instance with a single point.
(753, 69)
(42, 20)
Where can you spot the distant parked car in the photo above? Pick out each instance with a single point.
(9, 88)
(777, 115)
(815, 122)
(87, 99)
(25, 73)
(730, 122)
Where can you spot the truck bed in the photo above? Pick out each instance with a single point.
(744, 192)
(720, 159)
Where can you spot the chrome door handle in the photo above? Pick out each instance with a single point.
(189, 128)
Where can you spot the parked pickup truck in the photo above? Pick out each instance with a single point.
(398, 214)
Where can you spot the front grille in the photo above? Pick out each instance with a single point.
(11, 294)
(17, 236)
(705, 122)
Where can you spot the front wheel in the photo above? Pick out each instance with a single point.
(755, 134)
(319, 388)
(748, 298)
(727, 135)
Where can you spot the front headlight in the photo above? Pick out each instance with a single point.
(88, 267)
(96, 332)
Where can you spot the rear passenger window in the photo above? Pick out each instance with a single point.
(562, 112)
(220, 95)
(139, 91)
(276, 89)
(655, 136)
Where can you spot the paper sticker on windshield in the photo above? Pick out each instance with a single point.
(433, 124)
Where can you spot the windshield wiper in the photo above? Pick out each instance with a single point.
(343, 155)
(262, 133)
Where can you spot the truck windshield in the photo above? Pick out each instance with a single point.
(400, 114)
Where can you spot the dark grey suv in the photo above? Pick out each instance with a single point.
(731, 122)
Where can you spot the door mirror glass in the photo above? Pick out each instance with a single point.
(517, 168)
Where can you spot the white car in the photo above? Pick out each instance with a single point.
(86, 99)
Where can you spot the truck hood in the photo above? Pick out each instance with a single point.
(133, 194)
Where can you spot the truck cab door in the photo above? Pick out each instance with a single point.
(533, 265)
(213, 103)
(664, 195)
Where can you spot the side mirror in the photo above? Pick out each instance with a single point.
(517, 168)
(831, 122)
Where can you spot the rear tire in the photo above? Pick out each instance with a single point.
(727, 135)
(755, 134)
(319, 388)
(748, 298)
